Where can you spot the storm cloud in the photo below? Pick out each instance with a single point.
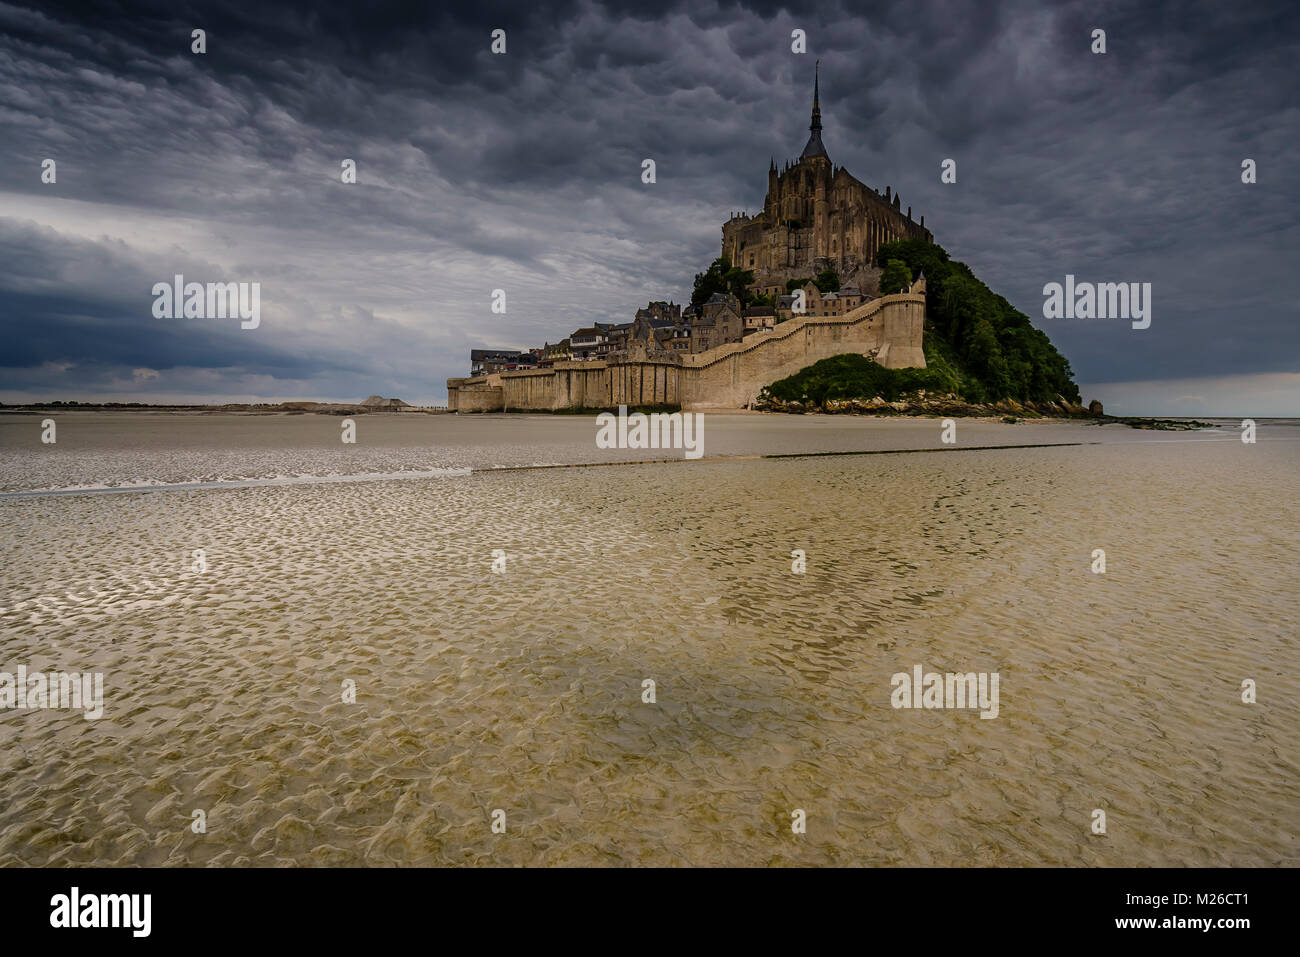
(522, 172)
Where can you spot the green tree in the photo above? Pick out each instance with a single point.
(738, 283)
(713, 279)
(828, 280)
(895, 277)
(722, 277)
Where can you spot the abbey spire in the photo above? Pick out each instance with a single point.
(815, 147)
(816, 126)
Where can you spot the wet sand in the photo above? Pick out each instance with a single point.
(523, 691)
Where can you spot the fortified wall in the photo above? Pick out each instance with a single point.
(728, 377)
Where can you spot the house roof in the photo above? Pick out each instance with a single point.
(814, 147)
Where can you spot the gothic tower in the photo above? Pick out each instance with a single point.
(816, 215)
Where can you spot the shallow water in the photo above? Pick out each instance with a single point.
(523, 691)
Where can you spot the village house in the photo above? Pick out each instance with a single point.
(488, 361)
(555, 352)
(584, 342)
(616, 334)
(759, 319)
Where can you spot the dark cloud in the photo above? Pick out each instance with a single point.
(522, 172)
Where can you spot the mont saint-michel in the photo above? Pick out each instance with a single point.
(826, 284)
(721, 352)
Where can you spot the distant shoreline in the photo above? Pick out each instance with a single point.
(228, 408)
(337, 408)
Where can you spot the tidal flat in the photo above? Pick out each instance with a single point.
(224, 689)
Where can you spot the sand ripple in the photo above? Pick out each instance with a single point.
(522, 691)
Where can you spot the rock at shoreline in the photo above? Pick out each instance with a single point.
(379, 403)
(930, 404)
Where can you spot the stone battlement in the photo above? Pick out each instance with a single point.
(726, 377)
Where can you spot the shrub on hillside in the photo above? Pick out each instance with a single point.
(997, 351)
(857, 377)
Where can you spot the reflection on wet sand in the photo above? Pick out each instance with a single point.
(523, 691)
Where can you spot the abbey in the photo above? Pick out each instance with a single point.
(720, 353)
(817, 216)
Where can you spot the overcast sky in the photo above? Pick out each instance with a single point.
(523, 172)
